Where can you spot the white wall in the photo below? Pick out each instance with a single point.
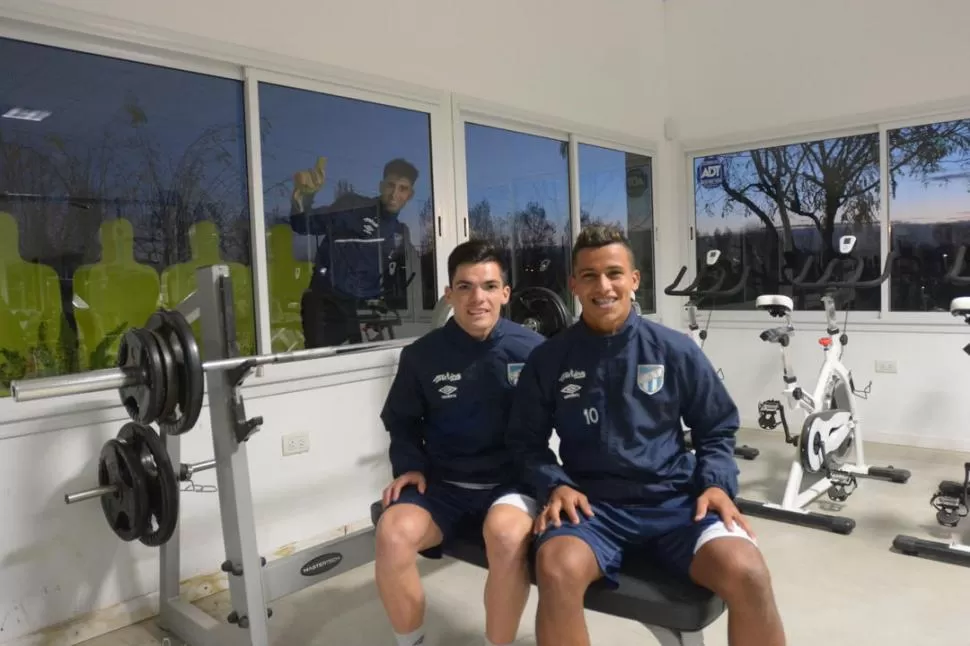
(751, 70)
(64, 575)
(755, 65)
(921, 405)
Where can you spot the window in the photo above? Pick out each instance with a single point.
(117, 179)
(349, 217)
(616, 187)
(773, 207)
(518, 197)
(929, 207)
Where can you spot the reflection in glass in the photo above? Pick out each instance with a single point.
(773, 207)
(617, 188)
(518, 197)
(349, 218)
(117, 180)
(929, 207)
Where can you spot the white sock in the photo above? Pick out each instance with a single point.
(488, 643)
(415, 638)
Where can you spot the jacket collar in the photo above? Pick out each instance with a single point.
(626, 329)
(455, 332)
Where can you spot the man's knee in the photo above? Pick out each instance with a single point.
(734, 569)
(507, 531)
(403, 530)
(567, 564)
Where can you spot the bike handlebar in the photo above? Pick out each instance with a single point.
(953, 276)
(825, 280)
(714, 290)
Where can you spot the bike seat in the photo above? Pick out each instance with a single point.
(775, 304)
(960, 306)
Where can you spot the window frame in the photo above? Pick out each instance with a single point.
(438, 110)
(467, 109)
(880, 124)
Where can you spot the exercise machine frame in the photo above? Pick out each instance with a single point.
(713, 265)
(831, 424)
(952, 498)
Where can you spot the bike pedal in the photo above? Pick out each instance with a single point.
(768, 414)
(843, 484)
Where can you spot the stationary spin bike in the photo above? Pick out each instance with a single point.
(951, 497)
(714, 268)
(830, 439)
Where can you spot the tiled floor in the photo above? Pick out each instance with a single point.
(832, 589)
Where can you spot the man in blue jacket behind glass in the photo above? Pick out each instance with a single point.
(615, 387)
(446, 413)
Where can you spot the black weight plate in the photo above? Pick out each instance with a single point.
(138, 352)
(162, 483)
(171, 388)
(541, 310)
(126, 510)
(177, 336)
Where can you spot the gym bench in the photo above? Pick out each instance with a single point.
(675, 611)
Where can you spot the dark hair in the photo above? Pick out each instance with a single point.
(601, 235)
(474, 252)
(401, 168)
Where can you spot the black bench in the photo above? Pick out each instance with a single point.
(675, 611)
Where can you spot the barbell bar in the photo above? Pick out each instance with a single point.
(187, 471)
(116, 378)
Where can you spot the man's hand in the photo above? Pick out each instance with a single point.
(308, 182)
(716, 499)
(393, 490)
(563, 499)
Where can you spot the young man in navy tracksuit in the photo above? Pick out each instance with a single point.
(361, 254)
(446, 412)
(615, 387)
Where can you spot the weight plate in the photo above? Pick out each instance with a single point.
(541, 310)
(161, 482)
(177, 335)
(126, 510)
(138, 352)
(171, 388)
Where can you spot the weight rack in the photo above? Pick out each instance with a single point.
(253, 582)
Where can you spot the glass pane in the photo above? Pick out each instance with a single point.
(518, 197)
(349, 218)
(616, 188)
(929, 205)
(117, 180)
(772, 208)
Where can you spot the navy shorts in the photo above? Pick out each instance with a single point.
(460, 511)
(664, 533)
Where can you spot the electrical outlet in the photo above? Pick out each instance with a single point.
(294, 443)
(886, 365)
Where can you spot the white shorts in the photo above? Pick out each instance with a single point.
(720, 530)
(518, 500)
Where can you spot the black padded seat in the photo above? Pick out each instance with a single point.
(647, 595)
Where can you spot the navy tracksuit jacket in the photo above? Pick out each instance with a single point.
(448, 407)
(355, 259)
(616, 403)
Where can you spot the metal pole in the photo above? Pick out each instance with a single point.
(115, 378)
(97, 492)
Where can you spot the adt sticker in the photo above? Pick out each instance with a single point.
(710, 172)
